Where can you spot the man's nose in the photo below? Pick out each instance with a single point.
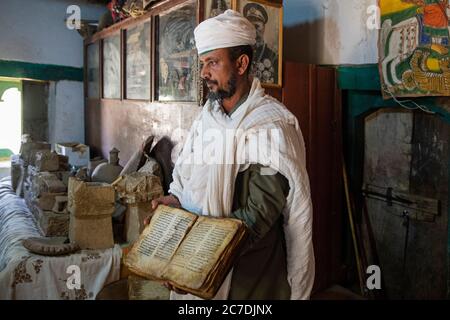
(204, 73)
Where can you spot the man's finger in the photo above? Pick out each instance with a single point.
(155, 204)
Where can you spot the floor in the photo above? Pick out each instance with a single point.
(336, 292)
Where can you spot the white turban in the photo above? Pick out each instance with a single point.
(229, 29)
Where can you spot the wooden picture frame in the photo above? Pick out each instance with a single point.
(268, 55)
(176, 57)
(137, 61)
(111, 67)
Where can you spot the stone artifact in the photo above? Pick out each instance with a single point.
(91, 205)
(46, 182)
(60, 205)
(49, 246)
(16, 170)
(143, 289)
(47, 200)
(137, 190)
(82, 174)
(46, 160)
(93, 163)
(139, 187)
(51, 224)
(78, 154)
(28, 151)
(108, 172)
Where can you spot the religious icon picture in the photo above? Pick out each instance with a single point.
(177, 55)
(268, 21)
(215, 7)
(414, 48)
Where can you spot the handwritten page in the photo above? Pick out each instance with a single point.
(159, 241)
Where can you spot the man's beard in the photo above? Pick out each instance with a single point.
(222, 94)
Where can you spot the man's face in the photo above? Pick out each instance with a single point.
(260, 29)
(219, 73)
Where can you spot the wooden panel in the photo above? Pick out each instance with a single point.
(426, 259)
(310, 93)
(409, 152)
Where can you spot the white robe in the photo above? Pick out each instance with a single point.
(207, 187)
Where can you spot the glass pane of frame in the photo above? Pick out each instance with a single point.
(138, 62)
(111, 67)
(177, 55)
(93, 70)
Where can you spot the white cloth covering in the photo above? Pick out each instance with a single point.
(208, 188)
(27, 276)
(229, 29)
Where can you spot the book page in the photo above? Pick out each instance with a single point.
(158, 242)
(200, 251)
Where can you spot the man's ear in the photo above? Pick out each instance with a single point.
(243, 64)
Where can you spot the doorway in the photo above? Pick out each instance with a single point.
(10, 122)
(23, 110)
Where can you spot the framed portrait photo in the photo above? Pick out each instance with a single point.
(176, 54)
(267, 17)
(213, 8)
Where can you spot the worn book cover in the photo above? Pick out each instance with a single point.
(193, 253)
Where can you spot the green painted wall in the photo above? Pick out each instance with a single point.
(45, 72)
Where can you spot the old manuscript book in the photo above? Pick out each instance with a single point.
(193, 253)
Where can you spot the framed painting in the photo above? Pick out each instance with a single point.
(176, 56)
(93, 70)
(267, 17)
(111, 67)
(413, 46)
(213, 8)
(137, 62)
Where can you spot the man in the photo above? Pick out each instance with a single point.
(266, 60)
(209, 177)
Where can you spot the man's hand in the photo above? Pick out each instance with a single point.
(169, 200)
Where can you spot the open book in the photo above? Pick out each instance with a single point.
(193, 253)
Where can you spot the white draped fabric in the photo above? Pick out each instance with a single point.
(219, 146)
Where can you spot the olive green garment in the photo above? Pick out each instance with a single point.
(260, 272)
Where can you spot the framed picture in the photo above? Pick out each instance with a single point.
(267, 17)
(213, 8)
(93, 71)
(111, 67)
(176, 55)
(137, 62)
